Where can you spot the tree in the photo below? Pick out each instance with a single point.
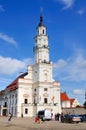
(77, 106)
(84, 104)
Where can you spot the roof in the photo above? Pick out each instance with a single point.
(64, 97)
(72, 100)
(13, 85)
(41, 21)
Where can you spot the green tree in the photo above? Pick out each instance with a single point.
(84, 104)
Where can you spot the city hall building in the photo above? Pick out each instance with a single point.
(35, 89)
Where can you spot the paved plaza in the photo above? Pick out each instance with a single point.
(29, 124)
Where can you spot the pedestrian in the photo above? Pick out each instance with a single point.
(10, 117)
(61, 117)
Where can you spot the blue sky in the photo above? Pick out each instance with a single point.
(66, 27)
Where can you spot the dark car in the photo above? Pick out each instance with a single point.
(83, 117)
(70, 118)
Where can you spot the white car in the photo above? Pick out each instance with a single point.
(44, 115)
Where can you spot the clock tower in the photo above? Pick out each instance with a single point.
(42, 63)
(41, 49)
(46, 90)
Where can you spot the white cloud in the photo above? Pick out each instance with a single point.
(28, 61)
(78, 91)
(10, 66)
(8, 39)
(67, 3)
(81, 11)
(1, 8)
(72, 69)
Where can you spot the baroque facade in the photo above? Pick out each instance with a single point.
(35, 89)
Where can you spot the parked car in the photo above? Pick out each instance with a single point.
(70, 118)
(83, 117)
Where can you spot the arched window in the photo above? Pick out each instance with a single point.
(43, 31)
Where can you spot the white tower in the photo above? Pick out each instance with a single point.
(42, 64)
(41, 49)
(45, 90)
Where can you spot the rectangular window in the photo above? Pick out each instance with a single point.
(45, 89)
(5, 104)
(25, 101)
(45, 100)
(26, 111)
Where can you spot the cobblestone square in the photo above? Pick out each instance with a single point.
(29, 124)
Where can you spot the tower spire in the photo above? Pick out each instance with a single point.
(41, 18)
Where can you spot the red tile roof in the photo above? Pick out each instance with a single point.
(64, 97)
(14, 84)
(72, 100)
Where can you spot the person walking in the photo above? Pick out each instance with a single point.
(10, 117)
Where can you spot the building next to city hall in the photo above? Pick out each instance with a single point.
(35, 89)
